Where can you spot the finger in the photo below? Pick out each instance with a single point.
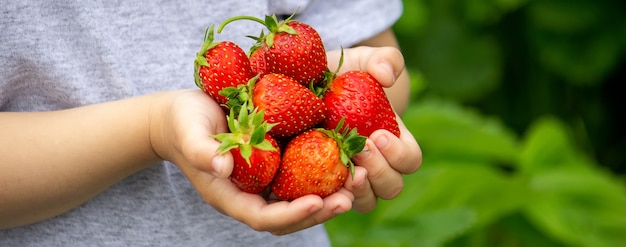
(386, 182)
(197, 123)
(200, 150)
(334, 204)
(278, 218)
(384, 63)
(403, 154)
(251, 209)
(364, 198)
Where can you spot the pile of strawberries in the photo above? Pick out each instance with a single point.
(293, 124)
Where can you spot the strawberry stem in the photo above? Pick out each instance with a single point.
(236, 18)
(329, 76)
(271, 23)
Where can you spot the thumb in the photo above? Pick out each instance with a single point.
(200, 150)
(204, 156)
(385, 64)
(190, 121)
(222, 165)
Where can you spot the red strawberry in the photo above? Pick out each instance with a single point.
(256, 154)
(219, 65)
(358, 97)
(293, 107)
(316, 162)
(292, 48)
(258, 63)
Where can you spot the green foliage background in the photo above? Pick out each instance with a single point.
(517, 107)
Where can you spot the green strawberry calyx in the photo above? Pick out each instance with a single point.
(349, 142)
(247, 131)
(240, 96)
(329, 76)
(200, 56)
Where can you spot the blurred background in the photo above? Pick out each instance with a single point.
(518, 108)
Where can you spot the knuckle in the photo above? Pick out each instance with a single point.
(393, 191)
(257, 226)
(376, 173)
(365, 206)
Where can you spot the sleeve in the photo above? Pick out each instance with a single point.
(343, 23)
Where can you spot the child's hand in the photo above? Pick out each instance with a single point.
(379, 170)
(387, 158)
(181, 134)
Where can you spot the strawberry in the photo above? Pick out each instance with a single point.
(255, 153)
(292, 48)
(258, 63)
(293, 107)
(219, 65)
(316, 162)
(359, 97)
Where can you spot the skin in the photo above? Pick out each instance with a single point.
(41, 179)
(387, 157)
(400, 78)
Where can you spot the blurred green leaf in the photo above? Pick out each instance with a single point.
(448, 130)
(547, 145)
(581, 59)
(408, 27)
(509, 5)
(565, 16)
(514, 230)
(481, 11)
(417, 82)
(457, 63)
(480, 184)
(447, 185)
(424, 230)
(348, 228)
(576, 39)
(583, 208)
(414, 19)
(573, 199)
(487, 12)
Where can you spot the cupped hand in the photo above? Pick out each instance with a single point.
(386, 158)
(182, 132)
(384, 161)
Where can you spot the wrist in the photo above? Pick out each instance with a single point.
(157, 128)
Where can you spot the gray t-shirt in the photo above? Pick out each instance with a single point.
(64, 54)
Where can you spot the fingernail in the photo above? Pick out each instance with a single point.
(389, 70)
(217, 164)
(362, 155)
(381, 142)
(339, 210)
(314, 209)
(360, 185)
